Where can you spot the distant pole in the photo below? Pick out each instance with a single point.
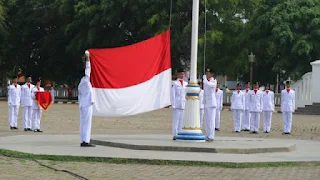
(251, 57)
(191, 122)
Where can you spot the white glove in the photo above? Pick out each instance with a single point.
(87, 53)
(204, 77)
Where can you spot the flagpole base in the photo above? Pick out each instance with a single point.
(194, 136)
(191, 130)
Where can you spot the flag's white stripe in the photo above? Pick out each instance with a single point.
(150, 95)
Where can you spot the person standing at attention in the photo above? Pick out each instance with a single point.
(27, 101)
(219, 99)
(288, 105)
(210, 103)
(267, 109)
(256, 106)
(36, 109)
(178, 102)
(246, 114)
(237, 107)
(14, 96)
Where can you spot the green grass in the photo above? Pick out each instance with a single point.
(27, 156)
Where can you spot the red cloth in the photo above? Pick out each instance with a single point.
(15, 86)
(288, 90)
(238, 91)
(38, 88)
(181, 81)
(69, 92)
(143, 61)
(216, 90)
(247, 90)
(44, 99)
(267, 91)
(255, 91)
(28, 85)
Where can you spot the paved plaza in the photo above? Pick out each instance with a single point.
(63, 119)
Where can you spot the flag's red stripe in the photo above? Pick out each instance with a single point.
(130, 65)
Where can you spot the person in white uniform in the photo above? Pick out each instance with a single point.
(14, 95)
(288, 105)
(86, 101)
(36, 109)
(267, 109)
(27, 101)
(237, 107)
(246, 113)
(201, 104)
(219, 99)
(178, 102)
(256, 106)
(210, 103)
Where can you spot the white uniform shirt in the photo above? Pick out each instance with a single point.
(26, 94)
(209, 88)
(255, 99)
(247, 99)
(85, 97)
(178, 94)
(268, 101)
(201, 99)
(219, 98)
(33, 94)
(14, 95)
(288, 102)
(237, 100)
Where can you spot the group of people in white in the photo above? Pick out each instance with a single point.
(26, 96)
(246, 105)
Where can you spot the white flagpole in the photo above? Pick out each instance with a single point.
(191, 122)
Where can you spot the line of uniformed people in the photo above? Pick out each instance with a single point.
(246, 106)
(25, 95)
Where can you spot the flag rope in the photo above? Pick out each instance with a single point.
(170, 15)
(205, 36)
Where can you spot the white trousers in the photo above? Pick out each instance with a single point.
(246, 119)
(210, 114)
(177, 121)
(217, 123)
(13, 115)
(267, 117)
(255, 121)
(27, 116)
(237, 117)
(287, 121)
(36, 118)
(201, 117)
(85, 123)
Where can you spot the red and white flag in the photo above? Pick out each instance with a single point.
(132, 79)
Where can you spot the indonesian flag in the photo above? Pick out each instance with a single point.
(44, 99)
(132, 79)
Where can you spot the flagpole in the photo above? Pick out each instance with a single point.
(191, 122)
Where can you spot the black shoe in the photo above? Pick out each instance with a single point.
(209, 140)
(26, 129)
(84, 144)
(29, 129)
(237, 131)
(246, 130)
(217, 129)
(11, 127)
(266, 132)
(37, 130)
(174, 138)
(15, 128)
